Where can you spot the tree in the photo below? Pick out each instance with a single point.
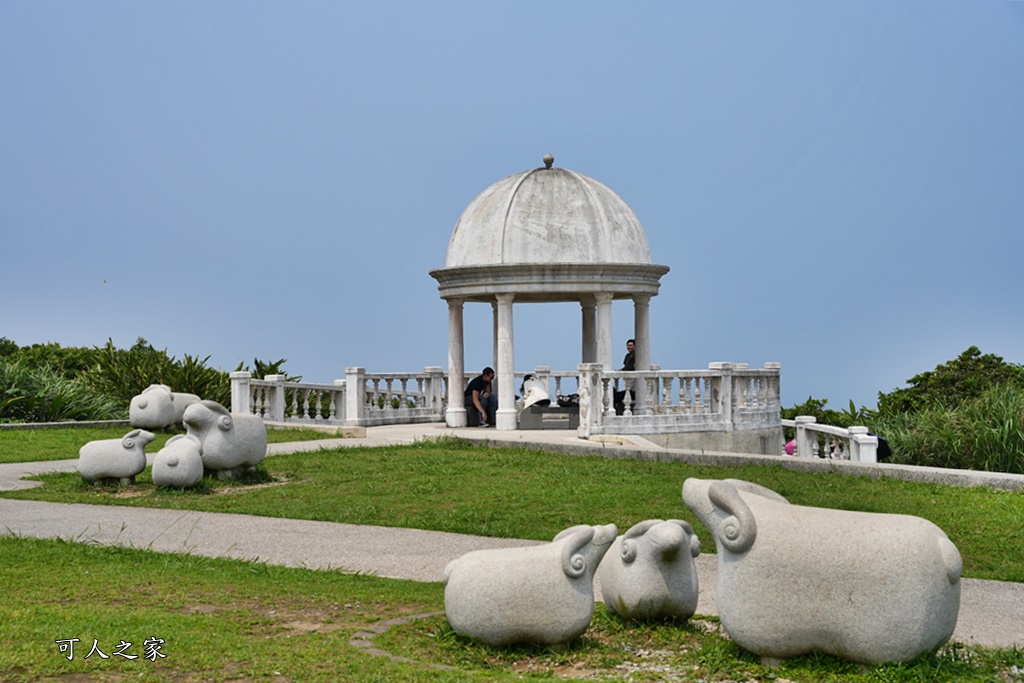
(950, 384)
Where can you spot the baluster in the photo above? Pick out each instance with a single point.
(318, 405)
(558, 386)
(376, 395)
(698, 405)
(404, 405)
(253, 404)
(684, 394)
(816, 450)
(666, 395)
(608, 397)
(332, 410)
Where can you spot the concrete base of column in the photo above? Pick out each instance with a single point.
(507, 419)
(455, 417)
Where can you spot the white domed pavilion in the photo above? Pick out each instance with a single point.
(545, 235)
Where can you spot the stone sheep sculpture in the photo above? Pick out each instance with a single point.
(649, 572)
(230, 444)
(179, 463)
(121, 459)
(539, 594)
(157, 407)
(867, 587)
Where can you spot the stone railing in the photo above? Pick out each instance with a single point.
(725, 397)
(361, 399)
(813, 440)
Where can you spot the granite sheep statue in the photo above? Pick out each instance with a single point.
(157, 407)
(230, 444)
(539, 594)
(649, 573)
(119, 459)
(867, 587)
(179, 463)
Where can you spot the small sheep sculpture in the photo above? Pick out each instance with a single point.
(121, 459)
(179, 463)
(649, 572)
(157, 407)
(867, 587)
(230, 444)
(539, 594)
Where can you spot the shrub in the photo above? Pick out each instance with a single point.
(983, 433)
(42, 394)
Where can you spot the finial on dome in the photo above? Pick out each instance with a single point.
(548, 160)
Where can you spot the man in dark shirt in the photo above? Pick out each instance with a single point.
(479, 397)
(628, 363)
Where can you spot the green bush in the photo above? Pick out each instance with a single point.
(43, 394)
(124, 373)
(966, 377)
(982, 433)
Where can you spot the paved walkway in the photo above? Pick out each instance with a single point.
(991, 612)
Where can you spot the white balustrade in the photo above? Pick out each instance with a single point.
(361, 399)
(813, 440)
(723, 397)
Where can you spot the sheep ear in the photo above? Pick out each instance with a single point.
(739, 529)
(129, 439)
(574, 562)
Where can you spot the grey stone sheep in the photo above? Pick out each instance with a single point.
(649, 572)
(157, 407)
(230, 444)
(868, 587)
(538, 594)
(121, 459)
(179, 463)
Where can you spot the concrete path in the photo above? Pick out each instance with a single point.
(991, 612)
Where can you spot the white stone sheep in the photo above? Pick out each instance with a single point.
(179, 463)
(868, 587)
(157, 407)
(121, 459)
(538, 594)
(649, 572)
(231, 444)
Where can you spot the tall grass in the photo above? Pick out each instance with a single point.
(42, 394)
(984, 433)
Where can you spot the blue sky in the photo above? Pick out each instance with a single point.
(838, 187)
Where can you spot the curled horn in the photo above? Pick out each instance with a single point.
(129, 439)
(627, 549)
(574, 563)
(737, 531)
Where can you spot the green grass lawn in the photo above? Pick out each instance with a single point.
(229, 620)
(226, 620)
(455, 486)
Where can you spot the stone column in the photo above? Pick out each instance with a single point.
(589, 336)
(642, 350)
(604, 330)
(805, 437)
(355, 396)
(241, 392)
(506, 417)
(455, 416)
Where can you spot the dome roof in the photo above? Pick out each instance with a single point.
(546, 216)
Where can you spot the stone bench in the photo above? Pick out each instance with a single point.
(549, 417)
